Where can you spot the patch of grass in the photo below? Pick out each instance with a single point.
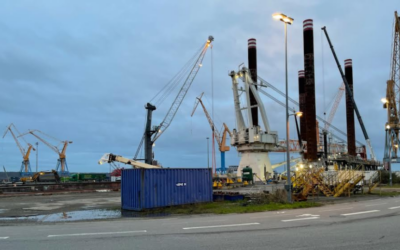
(385, 193)
(394, 186)
(228, 207)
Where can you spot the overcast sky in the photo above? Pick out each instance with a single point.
(83, 70)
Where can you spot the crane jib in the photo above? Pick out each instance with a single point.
(182, 92)
(350, 95)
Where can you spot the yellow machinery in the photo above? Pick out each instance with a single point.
(26, 166)
(42, 176)
(61, 166)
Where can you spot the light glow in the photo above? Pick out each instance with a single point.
(299, 114)
(384, 100)
(277, 16)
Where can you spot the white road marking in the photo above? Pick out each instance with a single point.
(363, 212)
(261, 217)
(308, 218)
(394, 207)
(4, 238)
(336, 209)
(102, 233)
(377, 204)
(231, 225)
(308, 215)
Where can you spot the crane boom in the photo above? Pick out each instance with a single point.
(109, 158)
(25, 167)
(182, 92)
(350, 94)
(54, 148)
(61, 162)
(335, 106)
(264, 83)
(15, 139)
(217, 134)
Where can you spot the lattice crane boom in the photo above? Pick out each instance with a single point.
(334, 107)
(21, 149)
(182, 92)
(217, 134)
(392, 100)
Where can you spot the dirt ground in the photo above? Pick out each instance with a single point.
(57, 203)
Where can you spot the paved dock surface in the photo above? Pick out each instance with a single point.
(368, 224)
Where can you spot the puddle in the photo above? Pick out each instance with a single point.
(70, 216)
(83, 215)
(2, 210)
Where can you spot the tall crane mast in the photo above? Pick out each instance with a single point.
(392, 100)
(350, 95)
(152, 134)
(61, 166)
(25, 166)
(221, 140)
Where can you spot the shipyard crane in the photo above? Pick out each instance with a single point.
(62, 166)
(351, 96)
(392, 101)
(151, 134)
(221, 140)
(25, 166)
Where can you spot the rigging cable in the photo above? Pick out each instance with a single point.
(174, 81)
(323, 73)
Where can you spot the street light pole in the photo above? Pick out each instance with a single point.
(208, 155)
(289, 181)
(286, 20)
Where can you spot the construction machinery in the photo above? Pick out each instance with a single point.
(25, 166)
(351, 97)
(221, 140)
(61, 166)
(42, 176)
(151, 134)
(109, 158)
(392, 102)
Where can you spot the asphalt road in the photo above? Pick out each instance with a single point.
(372, 224)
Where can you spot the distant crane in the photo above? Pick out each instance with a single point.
(334, 106)
(62, 166)
(392, 101)
(330, 117)
(221, 140)
(25, 166)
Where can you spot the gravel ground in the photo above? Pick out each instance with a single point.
(57, 203)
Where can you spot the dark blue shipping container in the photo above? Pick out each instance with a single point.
(151, 188)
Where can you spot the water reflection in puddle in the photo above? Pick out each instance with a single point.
(94, 214)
